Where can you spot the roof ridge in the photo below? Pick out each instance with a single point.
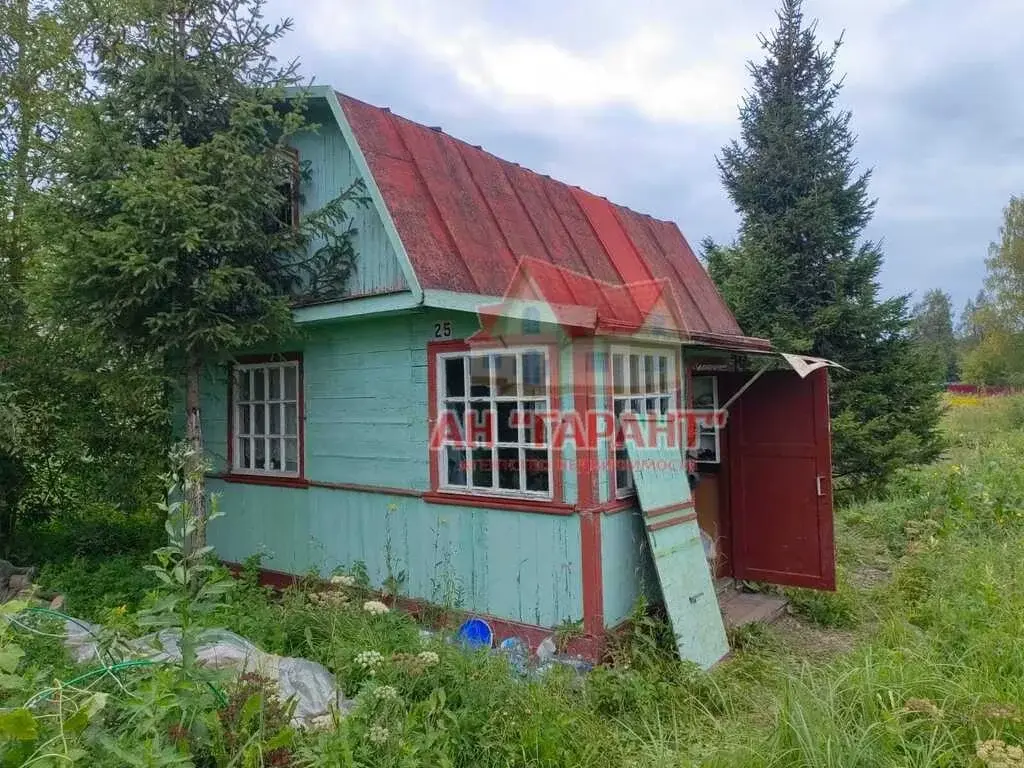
(480, 148)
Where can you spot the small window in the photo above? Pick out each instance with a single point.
(265, 431)
(288, 214)
(643, 381)
(495, 405)
(705, 398)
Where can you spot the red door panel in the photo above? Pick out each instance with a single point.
(780, 470)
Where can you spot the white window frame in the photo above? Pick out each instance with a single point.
(659, 394)
(544, 405)
(706, 430)
(248, 401)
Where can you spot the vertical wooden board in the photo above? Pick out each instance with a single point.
(623, 539)
(659, 474)
(601, 403)
(570, 490)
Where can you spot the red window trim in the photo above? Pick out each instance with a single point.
(288, 481)
(474, 497)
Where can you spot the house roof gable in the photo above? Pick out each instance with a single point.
(467, 220)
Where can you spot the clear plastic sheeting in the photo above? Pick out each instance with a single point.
(310, 684)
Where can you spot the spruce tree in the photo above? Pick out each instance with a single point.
(177, 239)
(800, 272)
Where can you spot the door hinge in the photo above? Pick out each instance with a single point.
(818, 481)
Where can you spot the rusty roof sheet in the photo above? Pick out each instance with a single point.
(468, 219)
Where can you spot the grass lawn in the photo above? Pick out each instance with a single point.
(917, 660)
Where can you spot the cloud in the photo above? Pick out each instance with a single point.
(634, 103)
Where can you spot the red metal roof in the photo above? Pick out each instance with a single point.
(468, 219)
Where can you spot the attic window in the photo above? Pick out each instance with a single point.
(288, 214)
(494, 436)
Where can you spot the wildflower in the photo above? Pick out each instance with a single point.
(369, 660)
(375, 607)
(428, 658)
(328, 599)
(378, 734)
(995, 753)
(385, 692)
(343, 580)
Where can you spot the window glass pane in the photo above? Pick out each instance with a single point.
(244, 455)
(478, 431)
(244, 420)
(534, 425)
(636, 405)
(275, 454)
(537, 470)
(534, 374)
(455, 377)
(291, 419)
(259, 419)
(274, 383)
(291, 455)
(479, 377)
(505, 376)
(652, 404)
(260, 459)
(664, 403)
(619, 374)
(243, 386)
(508, 468)
(291, 374)
(663, 374)
(275, 419)
(634, 374)
(258, 391)
(456, 411)
(623, 480)
(703, 392)
(456, 460)
(649, 377)
(483, 469)
(508, 422)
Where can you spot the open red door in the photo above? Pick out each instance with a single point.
(780, 482)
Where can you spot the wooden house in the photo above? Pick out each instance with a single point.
(446, 423)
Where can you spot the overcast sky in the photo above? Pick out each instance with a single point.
(633, 101)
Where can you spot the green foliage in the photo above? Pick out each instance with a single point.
(838, 609)
(995, 336)
(799, 273)
(172, 207)
(932, 330)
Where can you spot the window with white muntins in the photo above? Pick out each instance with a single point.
(643, 381)
(265, 421)
(497, 399)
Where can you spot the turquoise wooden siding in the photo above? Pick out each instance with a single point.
(331, 169)
(514, 565)
(365, 386)
(626, 564)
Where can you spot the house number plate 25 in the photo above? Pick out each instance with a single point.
(443, 329)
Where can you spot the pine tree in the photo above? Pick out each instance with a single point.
(933, 332)
(174, 211)
(800, 273)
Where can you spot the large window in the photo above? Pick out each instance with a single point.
(643, 381)
(265, 419)
(495, 403)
